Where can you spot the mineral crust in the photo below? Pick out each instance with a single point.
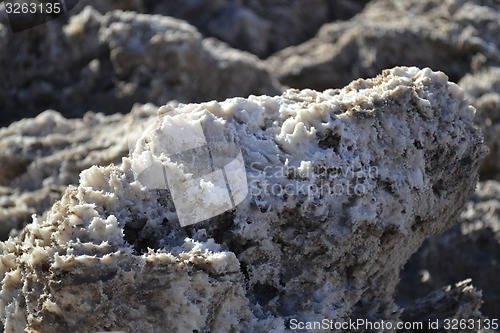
(40, 157)
(343, 186)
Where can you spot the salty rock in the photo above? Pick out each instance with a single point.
(453, 36)
(39, 157)
(106, 63)
(365, 172)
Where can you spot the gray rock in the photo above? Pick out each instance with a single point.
(483, 90)
(453, 36)
(259, 26)
(469, 250)
(344, 186)
(460, 303)
(106, 63)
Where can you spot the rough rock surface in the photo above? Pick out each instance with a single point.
(39, 157)
(259, 26)
(402, 147)
(453, 36)
(106, 63)
(469, 250)
(483, 90)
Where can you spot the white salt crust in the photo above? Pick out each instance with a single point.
(111, 255)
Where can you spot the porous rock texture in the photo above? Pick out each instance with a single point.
(483, 90)
(107, 62)
(454, 36)
(110, 255)
(39, 157)
(469, 250)
(472, 248)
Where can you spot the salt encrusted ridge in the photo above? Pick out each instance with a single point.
(117, 248)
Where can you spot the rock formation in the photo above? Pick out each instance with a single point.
(344, 185)
(109, 62)
(306, 242)
(260, 27)
(40, 157)
(453, 36)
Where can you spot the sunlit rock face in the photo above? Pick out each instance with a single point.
(342, 186)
